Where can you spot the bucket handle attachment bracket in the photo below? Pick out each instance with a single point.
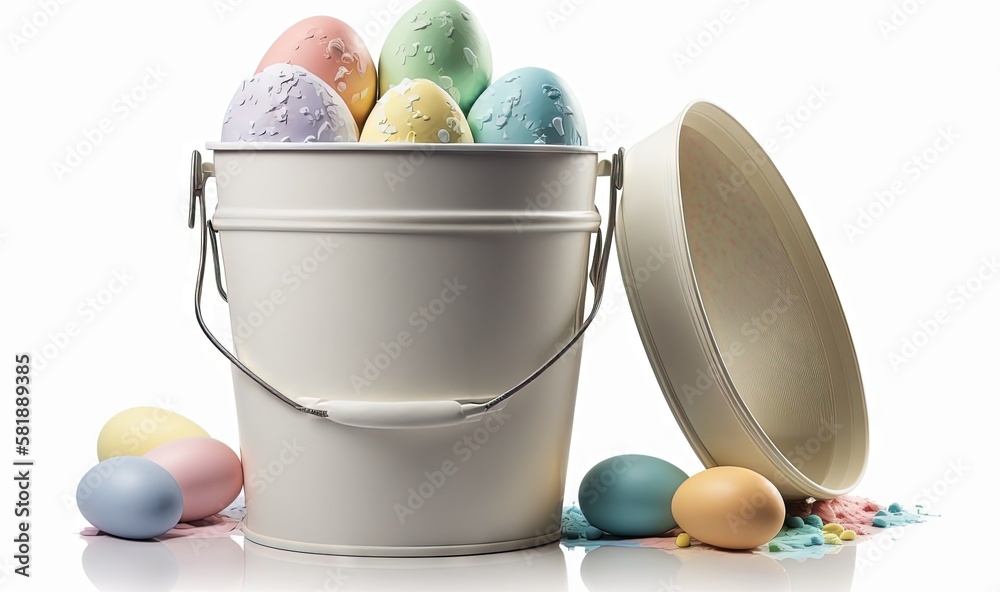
(389, 414)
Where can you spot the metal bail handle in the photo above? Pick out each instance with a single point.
(406, 414)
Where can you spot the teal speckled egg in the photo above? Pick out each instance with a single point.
(528, 106)
(442, 41)
(630, 495)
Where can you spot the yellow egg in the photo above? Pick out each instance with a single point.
(136, 431)
(729, 507)
(417, 111)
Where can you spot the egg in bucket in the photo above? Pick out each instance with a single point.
(410, 389)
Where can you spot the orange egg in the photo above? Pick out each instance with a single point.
(332, 50)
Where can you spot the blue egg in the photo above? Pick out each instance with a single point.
(630, 495)
(130, 497)
(528, 106)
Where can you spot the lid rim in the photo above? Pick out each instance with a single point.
(848, 466)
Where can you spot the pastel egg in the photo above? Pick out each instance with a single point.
(442, 41)
(136, 431)
(528, 106)
(286, 103)
(629, 495)
(333, 51)
(729, 507)
(208, 472)
(130, 497)
(416, 111)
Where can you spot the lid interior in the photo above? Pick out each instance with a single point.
(774, 316)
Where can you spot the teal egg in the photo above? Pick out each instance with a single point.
(528, 106)
(441, 41)
(630, 495)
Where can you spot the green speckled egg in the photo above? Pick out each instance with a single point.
(630, 495)
(442, 41)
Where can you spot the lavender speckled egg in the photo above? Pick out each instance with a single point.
(528, 106)
(287, 103)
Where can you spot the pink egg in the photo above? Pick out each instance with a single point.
(332, 50)
(209, 473)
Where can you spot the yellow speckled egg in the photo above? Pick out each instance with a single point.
(417, 111)
(729, 507)
(136, 431)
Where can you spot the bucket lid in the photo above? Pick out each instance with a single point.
(736, 308)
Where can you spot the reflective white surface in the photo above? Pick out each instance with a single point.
(222, 565)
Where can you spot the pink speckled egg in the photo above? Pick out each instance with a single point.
(209, 473)
(332, 50)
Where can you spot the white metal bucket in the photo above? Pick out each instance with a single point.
(396, 291)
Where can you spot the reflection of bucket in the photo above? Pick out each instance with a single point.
(541, 568)
(414, 277)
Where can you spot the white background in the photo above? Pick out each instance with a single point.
(889, 93)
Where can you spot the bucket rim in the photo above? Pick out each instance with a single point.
(397, 147)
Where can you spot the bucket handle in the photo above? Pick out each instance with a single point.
(391, 414)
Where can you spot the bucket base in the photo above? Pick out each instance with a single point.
(377, 551)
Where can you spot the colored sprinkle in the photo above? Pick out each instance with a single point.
(683, 540)
(814, 520)
(848, 535)
(794, 522)
(833, 528)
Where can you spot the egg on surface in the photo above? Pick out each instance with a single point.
(729, 507)
(528, 106)
(286, 103)
(333, 51)
(208, 472)
(136, 431)
(442, 41)
(629, 495)
(130, 497)
(416, 111)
